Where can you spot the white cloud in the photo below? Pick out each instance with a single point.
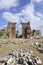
(38, 1)
(26, 14)
(8, 3)
(11, 17)
(29, 15)
(39, 14)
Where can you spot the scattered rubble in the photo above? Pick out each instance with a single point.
(20, 56)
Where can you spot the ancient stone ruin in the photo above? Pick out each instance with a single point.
(26, 30)
(11, 30)
(36, 33)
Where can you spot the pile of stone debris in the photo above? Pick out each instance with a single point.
(38, 46)
(20, 57)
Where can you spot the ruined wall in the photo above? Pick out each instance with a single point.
(37, 33)
(26, 30)
(11, 30)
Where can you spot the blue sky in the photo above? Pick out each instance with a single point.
(22, 11)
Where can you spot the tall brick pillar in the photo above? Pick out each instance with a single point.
(11, 30)
(26, 30)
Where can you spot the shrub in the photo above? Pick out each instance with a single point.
(1, 33)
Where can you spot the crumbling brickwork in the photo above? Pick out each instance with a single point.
(37, 33)
(11, 30)
(26, 30)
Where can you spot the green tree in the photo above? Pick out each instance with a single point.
(1, 33)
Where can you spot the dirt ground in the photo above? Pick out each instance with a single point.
(23, 45)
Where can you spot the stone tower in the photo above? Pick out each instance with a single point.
(11, 30)
(26, 30)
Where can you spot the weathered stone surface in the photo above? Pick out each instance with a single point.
(26, 30)
(11, 30)
(36, 33)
